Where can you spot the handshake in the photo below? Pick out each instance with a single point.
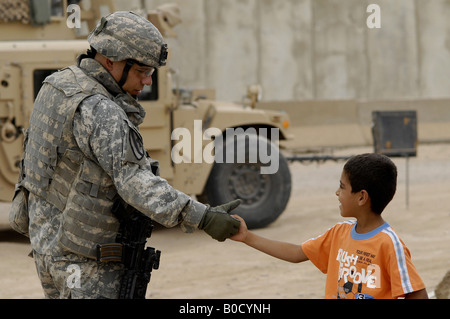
(218, 223)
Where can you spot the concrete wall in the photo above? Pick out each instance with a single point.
(342, 123)
(312, 49)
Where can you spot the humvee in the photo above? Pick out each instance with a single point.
(182, 128)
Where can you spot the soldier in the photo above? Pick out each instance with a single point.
(83, 149)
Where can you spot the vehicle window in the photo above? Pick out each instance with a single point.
(39, 77)
(57, 8)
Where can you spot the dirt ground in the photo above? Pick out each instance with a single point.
(195, 266)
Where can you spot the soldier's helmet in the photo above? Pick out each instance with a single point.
(124, 35)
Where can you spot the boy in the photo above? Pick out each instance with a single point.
(363, 258)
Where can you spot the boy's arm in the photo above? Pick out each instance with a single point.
(419, 294)
(282, 250)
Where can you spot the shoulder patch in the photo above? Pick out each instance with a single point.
(136, 143)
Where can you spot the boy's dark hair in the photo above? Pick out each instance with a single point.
(376, 174)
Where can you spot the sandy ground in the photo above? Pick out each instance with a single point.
(195, 266)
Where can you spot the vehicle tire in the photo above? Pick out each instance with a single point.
(264, 196)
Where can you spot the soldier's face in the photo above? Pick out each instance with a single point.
(138, 76)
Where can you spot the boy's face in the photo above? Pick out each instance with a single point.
(348, 200)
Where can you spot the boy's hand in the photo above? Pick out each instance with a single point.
(217, 223)
(243, 230)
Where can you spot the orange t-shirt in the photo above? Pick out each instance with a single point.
(372, 265)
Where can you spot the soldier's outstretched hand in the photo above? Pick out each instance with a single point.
(218, 223)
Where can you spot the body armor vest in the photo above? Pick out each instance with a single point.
(55, 169)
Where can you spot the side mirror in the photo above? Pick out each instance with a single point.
(254, 93)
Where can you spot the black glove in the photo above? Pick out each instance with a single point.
(218, 224)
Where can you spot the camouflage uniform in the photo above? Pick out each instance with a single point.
(82, 148)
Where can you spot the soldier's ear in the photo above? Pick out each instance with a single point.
(109, 64)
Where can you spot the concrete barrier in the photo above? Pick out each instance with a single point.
(343, 123)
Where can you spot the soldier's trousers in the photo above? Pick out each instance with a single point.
(76, 277)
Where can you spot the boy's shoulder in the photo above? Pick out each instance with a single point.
(339, 227)
(384, 235)
(344, 225)
(393, 238)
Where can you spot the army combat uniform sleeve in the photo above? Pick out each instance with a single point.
(106, 136)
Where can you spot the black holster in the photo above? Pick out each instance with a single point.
(139, 261)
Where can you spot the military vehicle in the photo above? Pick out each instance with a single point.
(37, 41)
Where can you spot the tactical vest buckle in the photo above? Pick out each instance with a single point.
(109, 252)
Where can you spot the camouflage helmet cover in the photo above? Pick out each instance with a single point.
(125, 35)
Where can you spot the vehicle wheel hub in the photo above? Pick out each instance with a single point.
(248, 184)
